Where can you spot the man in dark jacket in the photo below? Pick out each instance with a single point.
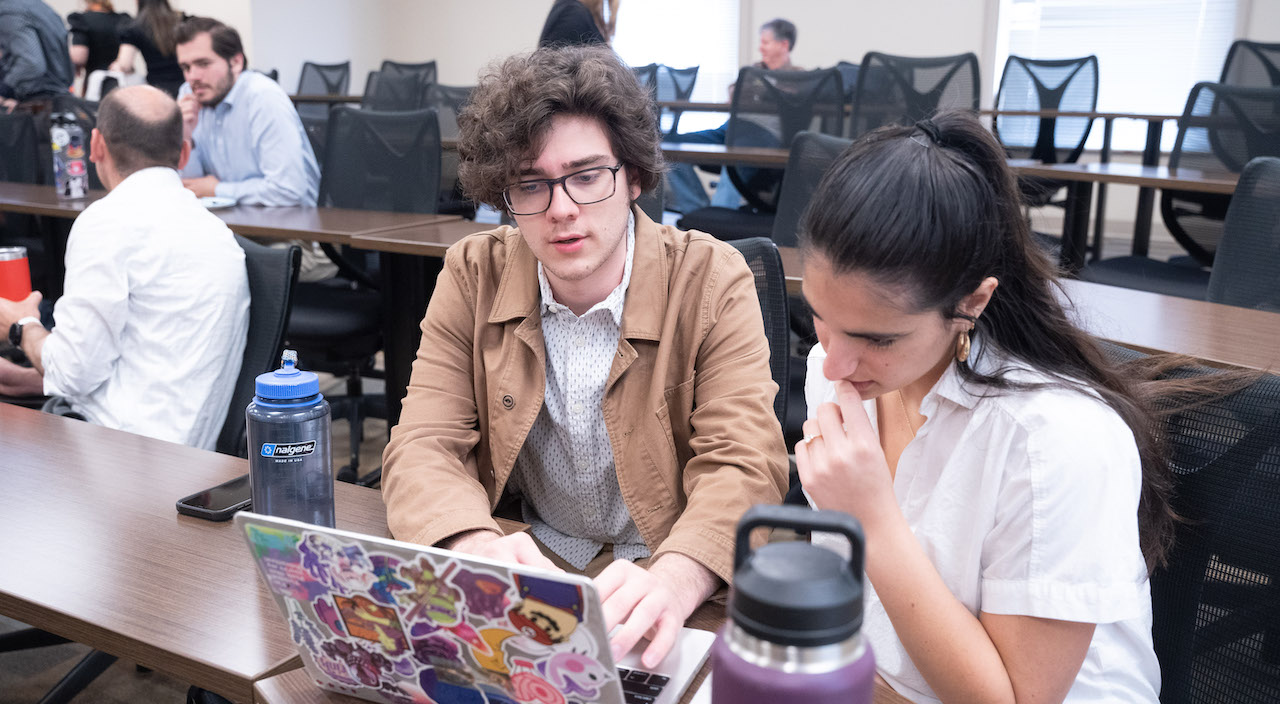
(34, 61)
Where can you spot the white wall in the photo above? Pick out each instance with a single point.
(830, 31)
(1263, 21)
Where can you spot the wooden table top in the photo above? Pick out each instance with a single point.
(429, 240)
(692, 153)
(336, 225)
(1152, 322)
(98, 554)
(1137, 175)
(696, 106)
(325, 98)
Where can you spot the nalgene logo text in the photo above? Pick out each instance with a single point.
(294, 449)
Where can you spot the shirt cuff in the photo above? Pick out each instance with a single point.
(226, 189)
(1085, 603)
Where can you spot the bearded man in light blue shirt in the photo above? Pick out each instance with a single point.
(247, 141)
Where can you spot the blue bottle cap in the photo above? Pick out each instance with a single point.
(287, 382)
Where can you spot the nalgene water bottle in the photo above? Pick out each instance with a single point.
(70, 168)
(290, 468)
(795, 615)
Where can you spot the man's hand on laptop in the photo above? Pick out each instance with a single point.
(652, 603)
(517, 547)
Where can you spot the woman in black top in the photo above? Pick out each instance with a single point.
(579, 22)
(152, 35)
(95, 37)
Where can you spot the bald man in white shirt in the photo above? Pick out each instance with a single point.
(152, 324)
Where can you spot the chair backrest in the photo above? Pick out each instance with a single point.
(769, 109)
(674, 84)
(1251, 64)
(272, 272)
(322, 79)
(398, 86)
(647, 76)
(1221, 129)
(381, 160)
(1248, 259)
(811, 155)
(902, 89)
(771, 287)
(447, 101)
(1215, 605)
(21, 163)
(1069, 85)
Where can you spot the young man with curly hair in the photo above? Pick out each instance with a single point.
(608, 374)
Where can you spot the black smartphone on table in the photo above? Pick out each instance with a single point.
(218, 503)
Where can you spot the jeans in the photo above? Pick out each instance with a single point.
(685, 193)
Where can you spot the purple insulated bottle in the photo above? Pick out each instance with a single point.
(795, 613)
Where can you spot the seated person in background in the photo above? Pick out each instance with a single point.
(35, 63)
(247, 142)
(610, 373)
(1006, 474)
(151, 328)
(685, 193)
(95, 37)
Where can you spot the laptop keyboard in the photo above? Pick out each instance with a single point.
(639, 687)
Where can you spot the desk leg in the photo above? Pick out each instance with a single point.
(1100, 219)
(1147, 196)
(1075, 231)
(407, 284)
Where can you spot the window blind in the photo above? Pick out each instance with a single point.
(681, 33)
(1150, 52)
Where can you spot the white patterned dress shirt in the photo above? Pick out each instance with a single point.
(565, 472)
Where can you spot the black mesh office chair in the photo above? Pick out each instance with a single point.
(447, 101)
(1221, 129)
(1251, 64)
(374, 161)
(398, 86)
(1068, 85)
(769, 108)
(812, 154)
(320, 79)
(902, 89)
(20, 164)
(674, 84)
(647, 76)
(1216, 604)
(771, 287)
(273, 273)
(1248, 259)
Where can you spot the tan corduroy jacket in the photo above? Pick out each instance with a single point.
(688, 402)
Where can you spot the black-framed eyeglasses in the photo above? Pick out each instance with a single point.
(583, 187)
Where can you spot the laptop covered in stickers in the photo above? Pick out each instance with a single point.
(394, 622)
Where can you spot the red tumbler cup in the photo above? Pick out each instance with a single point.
(15, 274)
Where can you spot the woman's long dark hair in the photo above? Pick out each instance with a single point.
(160, 22)
(932, 210)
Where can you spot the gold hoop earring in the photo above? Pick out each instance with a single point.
(962, 346)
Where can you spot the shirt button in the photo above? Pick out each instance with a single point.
(577, 409)
(583, 464)
(580, 342)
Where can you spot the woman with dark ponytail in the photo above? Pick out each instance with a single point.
(1006, 474)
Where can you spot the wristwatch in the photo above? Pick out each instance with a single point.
(15, 330)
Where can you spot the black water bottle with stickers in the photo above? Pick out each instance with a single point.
(290, 466)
